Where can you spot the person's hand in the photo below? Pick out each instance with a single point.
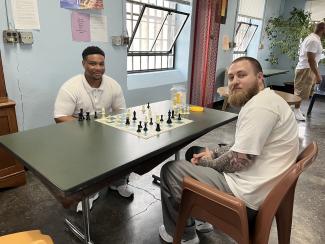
(203, 155)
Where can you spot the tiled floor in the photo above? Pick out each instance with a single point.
(117, 220)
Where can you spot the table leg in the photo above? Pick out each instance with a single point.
(177, 155)
(85, 237)
(156, 179)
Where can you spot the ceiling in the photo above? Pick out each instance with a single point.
(317, 9)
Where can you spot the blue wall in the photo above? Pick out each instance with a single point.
(34, 73)
(224, 57)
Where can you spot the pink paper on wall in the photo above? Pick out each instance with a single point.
(80, 27)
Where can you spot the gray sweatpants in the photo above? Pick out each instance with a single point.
(171, 178)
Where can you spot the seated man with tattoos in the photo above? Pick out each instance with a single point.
(265, 146)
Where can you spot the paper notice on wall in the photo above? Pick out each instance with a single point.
(82, 4)
(80, 27)
(25, 14)
(98, 28)
(86, 27)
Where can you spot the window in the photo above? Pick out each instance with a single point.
(154, 29)
(244, 34)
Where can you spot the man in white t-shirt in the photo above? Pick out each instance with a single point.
(266, 145)
(307, 73)
(91, 91)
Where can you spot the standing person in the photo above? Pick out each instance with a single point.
(266, 145)
(307, 72)
(91, 92)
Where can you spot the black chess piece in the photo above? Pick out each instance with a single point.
(140, 124)
(161, 118)
(169, 113)
(158, 127)
(134, 115)
(169, 120)
(139, 129)
(81, 115)
(95, 116)
(87, 116)
(148, 106)
(179, 117)
(173, 114)
(127, 121)
(150, 123)
(145, 129)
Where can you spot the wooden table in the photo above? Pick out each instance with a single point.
(291, 99)
(76, 159)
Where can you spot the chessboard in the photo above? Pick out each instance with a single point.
(145, 121)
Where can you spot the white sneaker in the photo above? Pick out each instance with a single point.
(91, 200)
(169, 239)
(123, 190)
(203, 227)
(299, 115)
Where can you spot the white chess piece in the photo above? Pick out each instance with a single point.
(143, 108)
(103, 113)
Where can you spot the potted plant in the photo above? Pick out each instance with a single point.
(286, 34)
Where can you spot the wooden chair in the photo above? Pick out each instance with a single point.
(26, 237)
(228, 213)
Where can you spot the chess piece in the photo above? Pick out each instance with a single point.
(143, 109)
(81, 115)
(140, 124)
(95, 116)
(134, 115)
(150, 123)
(87, 116)
(169, 120)
(103, 113)
(179, 116)
(158, 127)
(148, 106)
(139, 129)
(173, 114)
(161, 118)
(145, 129)
(127, 121)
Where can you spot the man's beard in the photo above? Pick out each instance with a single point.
(241, 97)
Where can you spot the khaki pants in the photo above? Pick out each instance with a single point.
(304, 82)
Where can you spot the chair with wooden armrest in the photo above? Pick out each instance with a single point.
(26, 237)
(229, 213)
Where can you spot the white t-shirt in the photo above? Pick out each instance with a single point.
(266, 127)
(313, 44)
(76, 93)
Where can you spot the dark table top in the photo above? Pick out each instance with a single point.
(272, 72)
(69, 157)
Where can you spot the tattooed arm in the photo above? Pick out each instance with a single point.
(228, 162)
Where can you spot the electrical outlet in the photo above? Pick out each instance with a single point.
(26, 38)
(120, 40)
(10, 36)
(117, 40)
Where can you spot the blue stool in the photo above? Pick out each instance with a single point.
(319, 92)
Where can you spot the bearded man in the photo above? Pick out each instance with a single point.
(266, 145)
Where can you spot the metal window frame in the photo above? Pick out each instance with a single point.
(250, 25)
(154, 53)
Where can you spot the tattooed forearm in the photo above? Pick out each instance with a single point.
(228, 162)
(217, 152)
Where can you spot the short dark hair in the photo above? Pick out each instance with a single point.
(257, 66)
(92, 50)
(319, 27)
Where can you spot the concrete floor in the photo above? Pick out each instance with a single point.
(118, 220)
